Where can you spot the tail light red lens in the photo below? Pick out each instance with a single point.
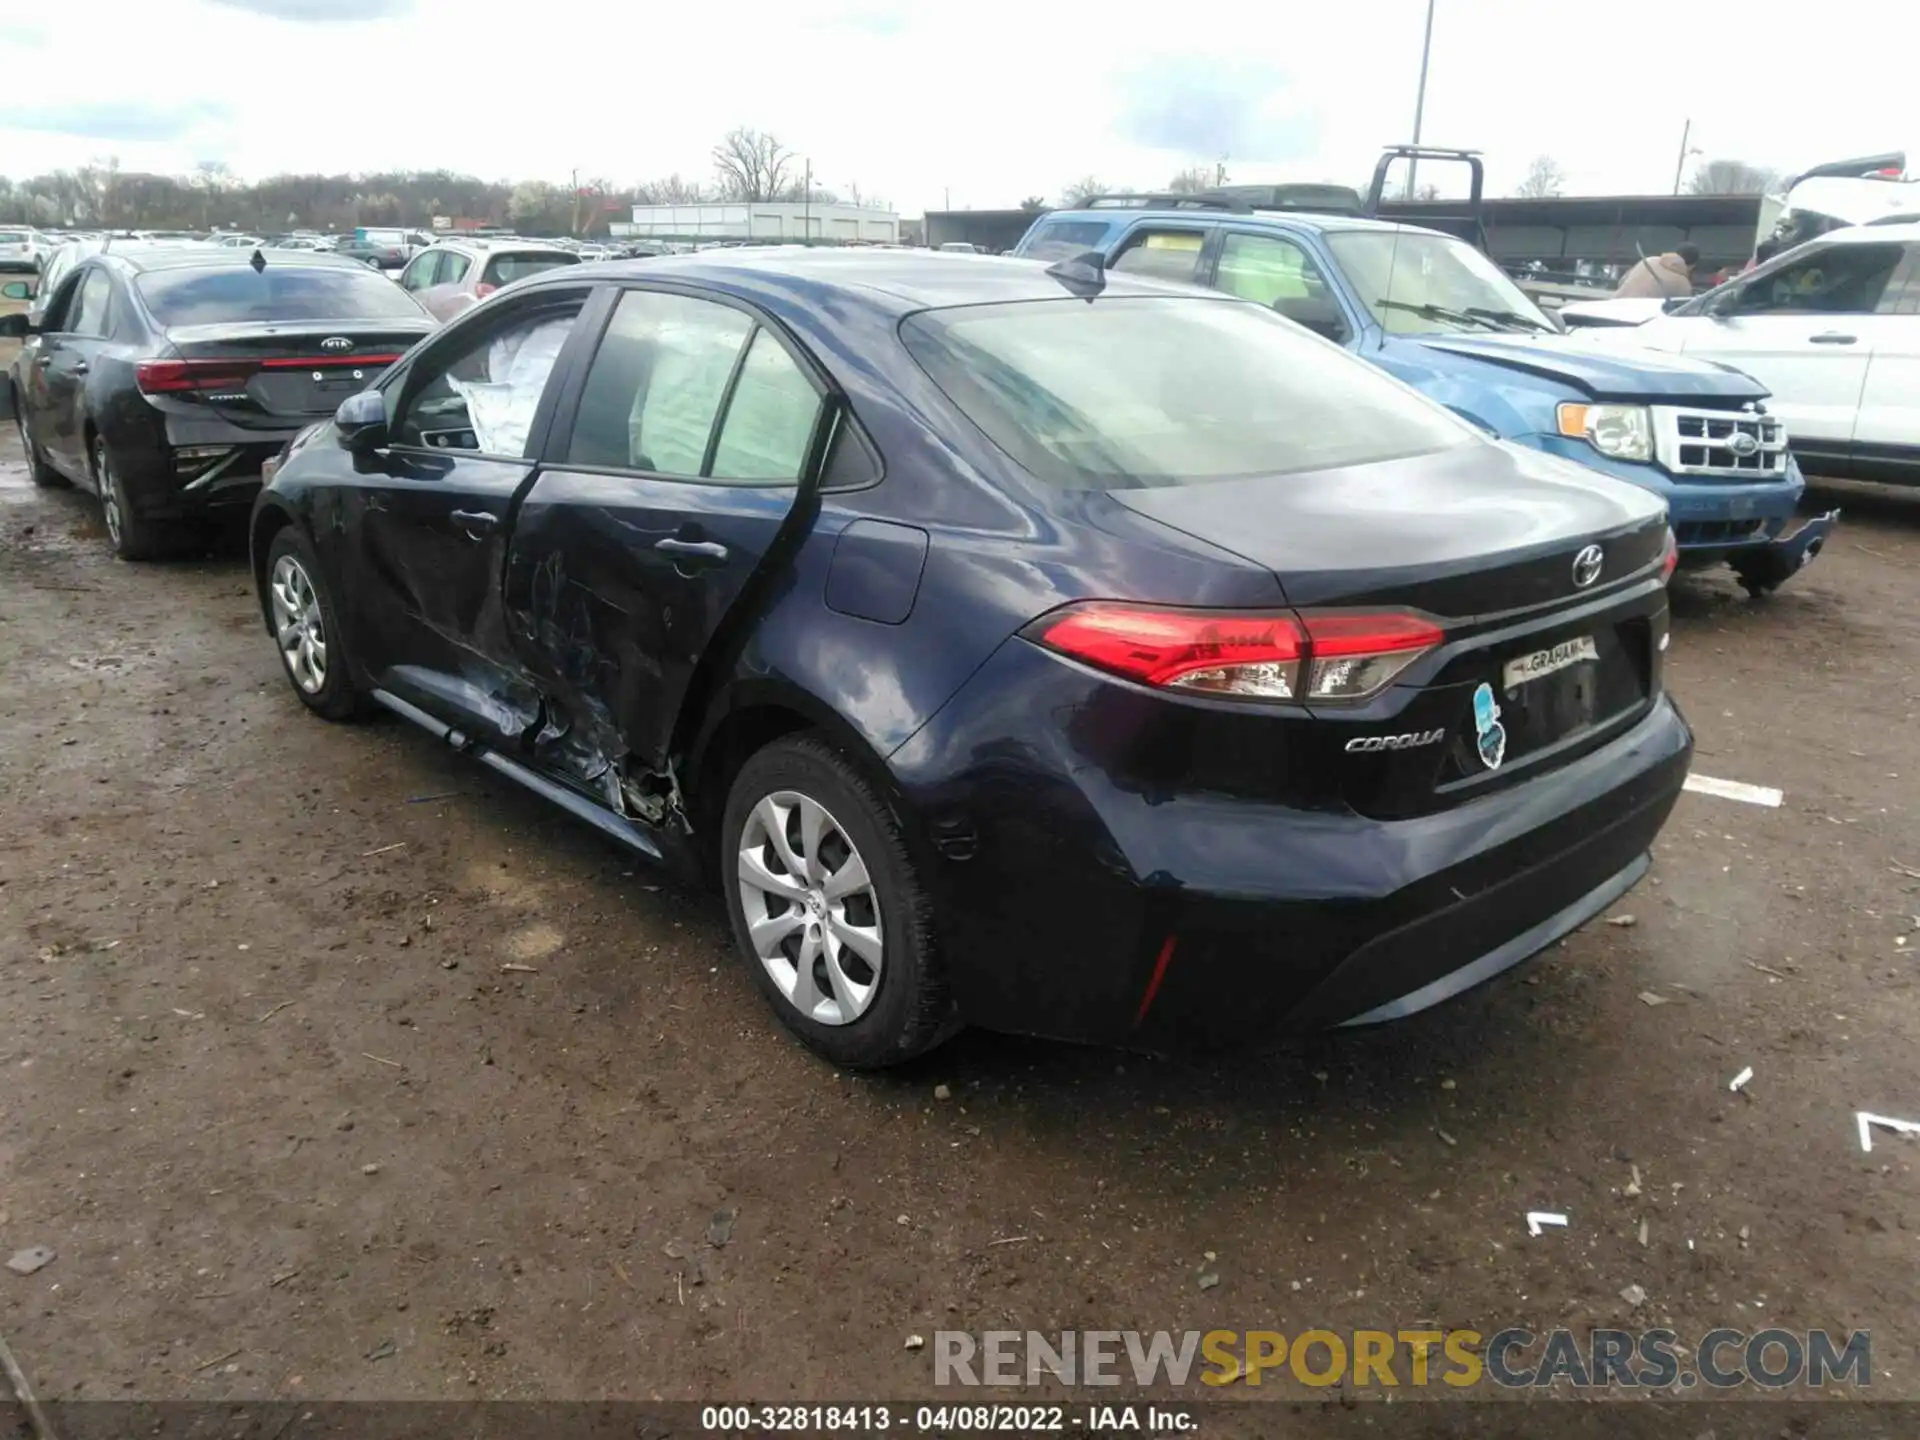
(1245, 654)
(174, 377)
(484, 289)
(1669, 558)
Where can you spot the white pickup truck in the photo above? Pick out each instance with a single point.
(1831, 327)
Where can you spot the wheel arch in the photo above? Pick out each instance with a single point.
(750, 716)
(269, 518)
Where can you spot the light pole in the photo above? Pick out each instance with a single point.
(1420, 99)
(1680, 165)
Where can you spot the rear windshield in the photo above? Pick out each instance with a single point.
(505, 269)
(12, 237)
(214, 295)
(1132, 392)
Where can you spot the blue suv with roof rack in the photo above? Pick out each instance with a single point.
(1433, 310)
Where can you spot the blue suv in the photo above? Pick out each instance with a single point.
(1437, 313)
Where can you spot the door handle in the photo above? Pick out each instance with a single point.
(1833, 337)
(710, 552)
(472, 520)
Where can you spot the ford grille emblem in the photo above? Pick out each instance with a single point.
(336, 343)
(1586, 566)
(1743, 445)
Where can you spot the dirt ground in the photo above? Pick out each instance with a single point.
(269, 1089)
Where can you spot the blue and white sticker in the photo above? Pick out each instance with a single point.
(1490, 736)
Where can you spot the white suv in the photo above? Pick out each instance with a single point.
(1832, 328)
(23, 249)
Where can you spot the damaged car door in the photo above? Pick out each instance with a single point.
(672, 472)
(428, 518)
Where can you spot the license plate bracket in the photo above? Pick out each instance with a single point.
(1535, 664)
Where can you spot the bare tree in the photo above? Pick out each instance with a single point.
(670, 191)
(1428, 191)
(1731, 177)
(1192, 180)
(1034, 204)
(1081, 191)
(1545, 178)
(751, 165)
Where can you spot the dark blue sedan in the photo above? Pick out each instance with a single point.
(1037, 648)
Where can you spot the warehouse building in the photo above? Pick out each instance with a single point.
(773, 220)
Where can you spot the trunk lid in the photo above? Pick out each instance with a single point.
(1484, 540)
(273, 375)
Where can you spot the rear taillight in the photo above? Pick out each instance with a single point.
(175, 377)
(484, 289)
(1669, 557)
(1333, 657)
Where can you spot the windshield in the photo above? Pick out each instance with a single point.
(209, 295)
(1419, 284)
(1131, 392)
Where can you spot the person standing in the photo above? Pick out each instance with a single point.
(1660, 276)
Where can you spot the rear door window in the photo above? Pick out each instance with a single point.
(89, 315)
(222, 294)
(422, 271)
(1164, 254)
(656, 385)
(770, 417)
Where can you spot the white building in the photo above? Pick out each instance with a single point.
(773, 220)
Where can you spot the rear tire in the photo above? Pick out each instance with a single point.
(827, 910)
(133, 537)
(38, 470)
(307, 634)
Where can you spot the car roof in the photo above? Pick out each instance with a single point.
(218, 256)
(901, 281)
(490, 243)
(1279, 219)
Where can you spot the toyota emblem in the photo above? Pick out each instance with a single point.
(338, 344)
(1586, 566)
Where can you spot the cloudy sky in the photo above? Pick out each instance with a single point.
(982, 101)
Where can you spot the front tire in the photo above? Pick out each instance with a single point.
(307, 632)
(828, 910)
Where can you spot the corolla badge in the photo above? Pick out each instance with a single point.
(338, 344)
(1490, 736)
(1586, 566)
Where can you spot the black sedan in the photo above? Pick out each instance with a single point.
(1042, 649)
(163, 379)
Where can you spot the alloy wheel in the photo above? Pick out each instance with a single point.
(110, 502)
(813, 916)
(298, 624)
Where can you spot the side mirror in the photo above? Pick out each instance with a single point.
(16, 290)
(362, 421)
(15, 327)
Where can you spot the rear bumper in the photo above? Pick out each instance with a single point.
(1083, 909)
(164, 477)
